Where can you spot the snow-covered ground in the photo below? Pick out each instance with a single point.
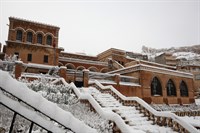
(62, 95)
(186, 55)
(135, 120)
(59, 94)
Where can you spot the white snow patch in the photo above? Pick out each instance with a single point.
(34, 99)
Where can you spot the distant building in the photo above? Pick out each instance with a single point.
(192, 66)
(166, 59)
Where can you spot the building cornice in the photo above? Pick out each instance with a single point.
(144, 67)
(30, 44)
(29, 21)
(83, 61)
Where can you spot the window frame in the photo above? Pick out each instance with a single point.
(29, 37)
(19, 35)
(156, 87)
(39, 40)
(171, 88)
(183, 89)
(49, 40)
(29, 57)
(46, 59)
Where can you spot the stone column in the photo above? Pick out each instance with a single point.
(85, 77)
(18, 69)
(63, 72)
(117, 81)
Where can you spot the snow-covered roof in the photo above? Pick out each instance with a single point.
(16, 18)
(186, 55)
(152, 69)
(83, 61)
(81, 54)
(41, 66)
(153, 63)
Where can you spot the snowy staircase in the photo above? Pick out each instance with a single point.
(17, 107)
(131, 116)
(17, 97)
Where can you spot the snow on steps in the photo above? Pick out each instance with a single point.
(21, 91)
(107, 114)
(29, 114)
(174, 117)
(129, 114)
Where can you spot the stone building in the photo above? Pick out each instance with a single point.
(37, 46)
(33, 42)
(192, 66)
(166, 59)
(159, 84)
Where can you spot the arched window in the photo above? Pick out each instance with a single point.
(156, 88)
(49, 40)
(171, 89)
(39, 38)
(29, 37)
(93, 69)
(183, 89)
(19, 35)
(70, 66)
(104, 70)
(80, 68)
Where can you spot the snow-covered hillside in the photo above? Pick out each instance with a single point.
(188, 53)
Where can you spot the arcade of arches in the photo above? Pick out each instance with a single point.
(156, 88)
(81, 67)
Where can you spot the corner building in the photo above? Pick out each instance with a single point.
(33, 42)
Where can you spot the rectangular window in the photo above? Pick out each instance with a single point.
(45, 58)
(29, 57)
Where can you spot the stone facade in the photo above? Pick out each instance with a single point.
(192, 66)
(146, 74)
(81, 62)
(33, 42)
(166, 59)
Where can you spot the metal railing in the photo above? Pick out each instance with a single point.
(30, 107)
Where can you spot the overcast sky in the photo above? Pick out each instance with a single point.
(92, 26)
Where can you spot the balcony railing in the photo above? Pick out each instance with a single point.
(83, 61)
